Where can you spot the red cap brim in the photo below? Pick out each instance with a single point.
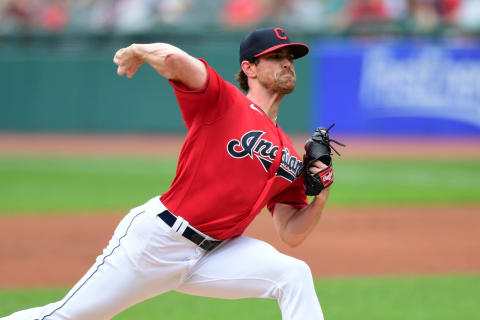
(298, 49)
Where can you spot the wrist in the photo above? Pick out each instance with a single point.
(138, 50)
(323, 195)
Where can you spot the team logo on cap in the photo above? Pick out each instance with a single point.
(280, 33)
(251, 145)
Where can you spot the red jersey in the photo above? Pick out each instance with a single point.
(234, 162)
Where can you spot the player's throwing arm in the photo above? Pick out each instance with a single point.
(169, 61)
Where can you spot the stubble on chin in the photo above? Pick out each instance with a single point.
(284, 84)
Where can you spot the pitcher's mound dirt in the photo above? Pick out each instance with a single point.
(57, 251)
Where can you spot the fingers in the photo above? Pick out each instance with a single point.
(314, 170)
(117, 59)
(124, 62)
(317, 166)
(132, 68)
(130, 74)
(118, 56)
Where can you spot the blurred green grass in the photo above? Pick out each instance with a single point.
(56, 185)
(379, 298)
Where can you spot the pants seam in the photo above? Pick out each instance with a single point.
(98, 267)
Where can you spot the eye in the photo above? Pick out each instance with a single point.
(280, 56)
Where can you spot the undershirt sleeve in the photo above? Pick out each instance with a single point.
(293, 195)
(201, 105)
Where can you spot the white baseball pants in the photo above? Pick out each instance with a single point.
(146, 257)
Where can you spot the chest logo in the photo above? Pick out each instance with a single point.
(252, 145)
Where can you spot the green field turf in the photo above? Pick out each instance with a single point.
(412, 298)
(54, 185)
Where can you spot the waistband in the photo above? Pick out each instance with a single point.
(190, 233)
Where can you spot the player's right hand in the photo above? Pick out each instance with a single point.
(127, 61)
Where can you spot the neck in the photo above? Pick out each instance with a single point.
(268, 102)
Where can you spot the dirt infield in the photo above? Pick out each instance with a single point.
(387, 147)
(46, 251)
(57, 251)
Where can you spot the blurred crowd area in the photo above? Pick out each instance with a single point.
(303, 15)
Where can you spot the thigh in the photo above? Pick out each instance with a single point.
(241, 268)
(143, 259)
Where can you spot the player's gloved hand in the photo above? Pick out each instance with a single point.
(318, 148)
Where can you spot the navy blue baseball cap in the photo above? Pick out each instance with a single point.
(265, 40)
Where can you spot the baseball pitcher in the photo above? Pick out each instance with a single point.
(235, 161)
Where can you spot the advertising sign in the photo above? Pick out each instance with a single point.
(418, 88)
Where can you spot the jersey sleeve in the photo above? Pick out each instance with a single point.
(201, 105)
(293, 195)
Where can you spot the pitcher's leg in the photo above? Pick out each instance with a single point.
(137, 264)
(103, 292)
(246, 267)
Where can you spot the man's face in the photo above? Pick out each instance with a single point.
(276, 72)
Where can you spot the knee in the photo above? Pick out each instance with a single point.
(297, 272)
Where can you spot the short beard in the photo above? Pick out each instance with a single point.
(284, 85)
(280, 84)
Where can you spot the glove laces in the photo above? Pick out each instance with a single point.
(325, 139)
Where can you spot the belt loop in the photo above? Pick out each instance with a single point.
(200, 244)
(181, 226)
(178, 224)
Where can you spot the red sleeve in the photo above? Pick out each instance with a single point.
(201, 105)
(293, 195)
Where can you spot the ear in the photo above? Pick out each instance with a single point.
(249, 68)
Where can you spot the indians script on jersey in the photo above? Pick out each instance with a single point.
(265, 151)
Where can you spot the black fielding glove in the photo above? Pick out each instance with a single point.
(318, 147)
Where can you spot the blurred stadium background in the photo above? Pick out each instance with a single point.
(400, 78)
(372, 61)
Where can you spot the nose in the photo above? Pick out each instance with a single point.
(287, 66)
(287, 63)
